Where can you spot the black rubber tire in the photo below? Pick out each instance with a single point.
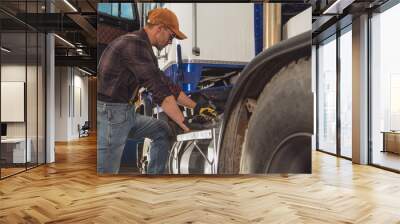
(231, 149)
(280, 130)
(278, 138)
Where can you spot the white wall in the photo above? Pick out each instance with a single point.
(61, 103)
(81, 104)
(33, 126)
(225, 32)
(71, 94)
(12, 73)
(13, 101)
(298, 24)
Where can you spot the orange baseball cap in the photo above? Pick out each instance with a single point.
(166, 17)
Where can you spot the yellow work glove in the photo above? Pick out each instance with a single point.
(206, 109)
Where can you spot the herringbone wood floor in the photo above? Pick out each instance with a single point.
(70, 191)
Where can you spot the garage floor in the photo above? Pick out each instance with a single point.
(70, 191)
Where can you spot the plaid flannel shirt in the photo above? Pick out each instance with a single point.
(129, 63)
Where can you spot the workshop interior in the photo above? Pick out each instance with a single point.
(263, 99)
(284, 79)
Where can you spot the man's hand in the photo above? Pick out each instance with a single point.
(184, 127)
(172, 110)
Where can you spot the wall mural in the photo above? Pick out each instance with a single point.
(186, 88)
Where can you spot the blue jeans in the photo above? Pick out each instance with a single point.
(114, 122)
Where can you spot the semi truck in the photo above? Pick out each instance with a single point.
(262, 93)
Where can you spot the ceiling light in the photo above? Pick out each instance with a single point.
(70, 5)
(65, 41)
(5, 50)
(86, 72)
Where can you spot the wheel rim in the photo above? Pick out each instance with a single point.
(290, 155)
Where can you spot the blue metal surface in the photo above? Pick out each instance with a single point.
(192, 73)
(258, 27)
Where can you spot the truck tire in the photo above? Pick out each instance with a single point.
(279, 132)
(268, 118)
(276, 136)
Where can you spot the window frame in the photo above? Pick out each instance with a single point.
(333, 37)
